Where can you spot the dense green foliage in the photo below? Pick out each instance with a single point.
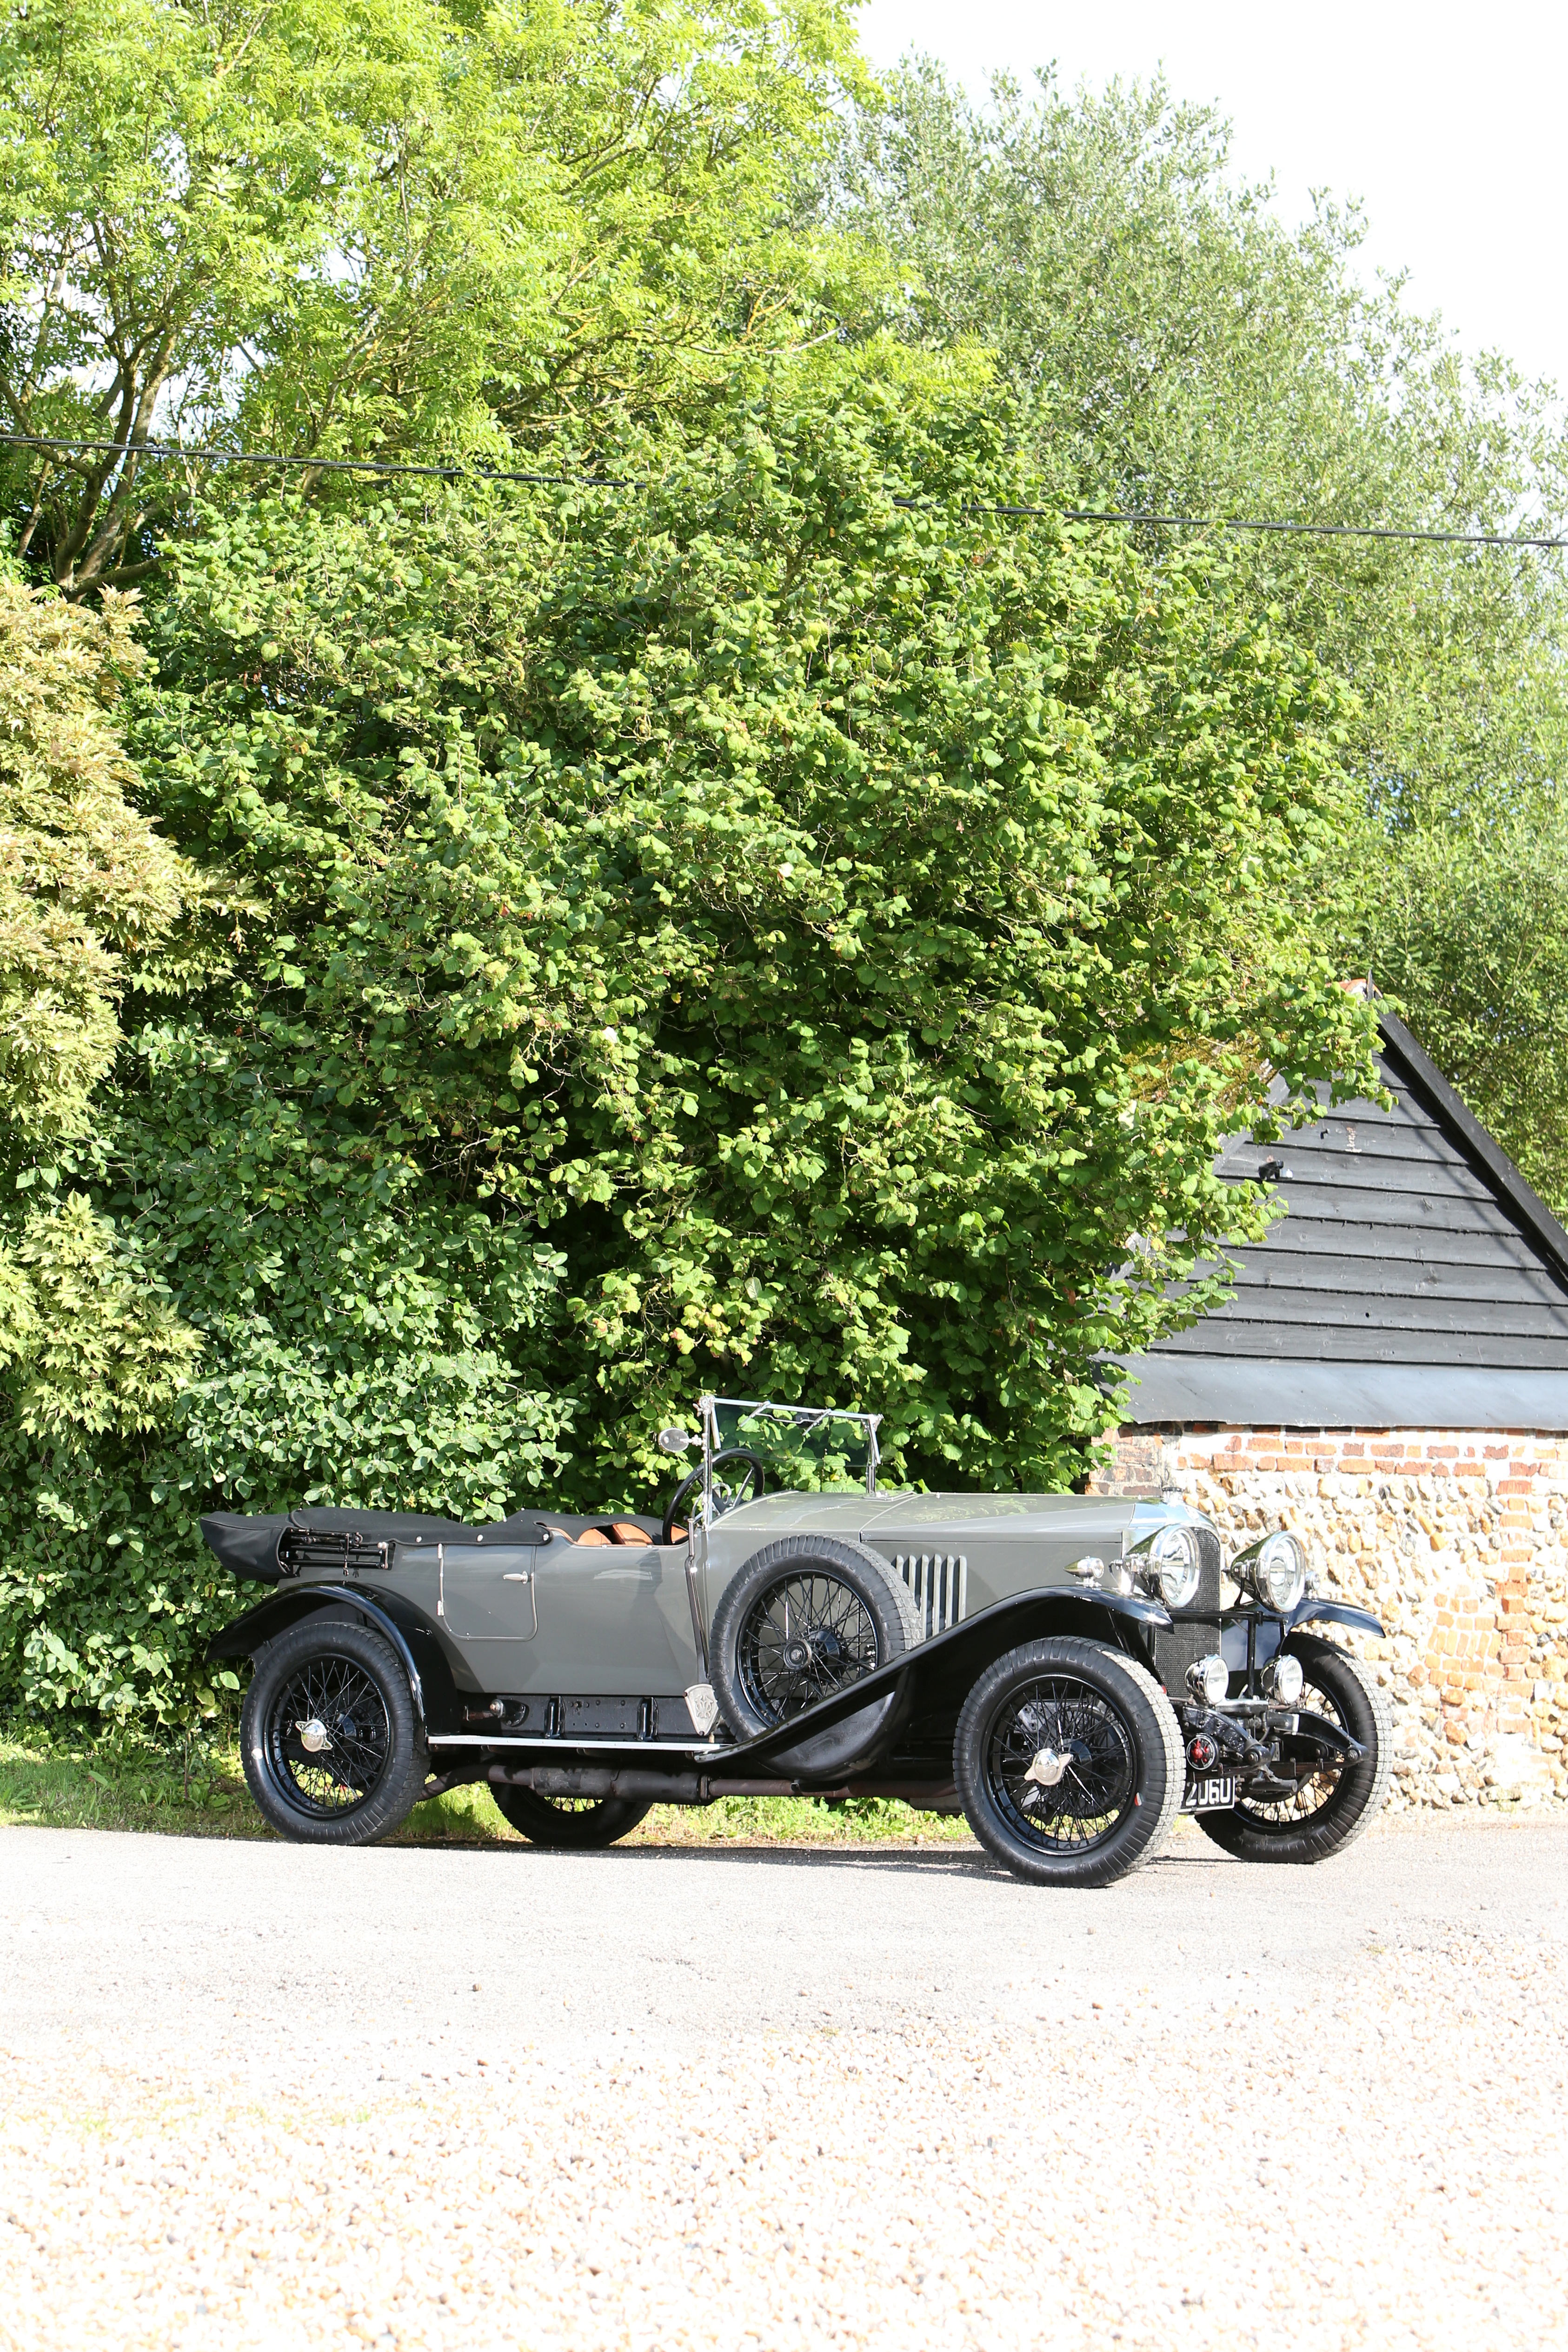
(88, 892)
(91, 901)
(760, 933)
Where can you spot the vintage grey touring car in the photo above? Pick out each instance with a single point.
(1068, 1671)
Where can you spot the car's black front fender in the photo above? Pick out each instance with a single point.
(409, 1631)
(938, 1676)
(1332, 1612)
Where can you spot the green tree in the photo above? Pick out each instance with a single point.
(386, 226)
(89, 891)
(839, 919)
(90, 898)
(1470, 936)
(93, 902)
(1178, 350)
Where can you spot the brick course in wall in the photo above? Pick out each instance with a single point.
(1456, 1539)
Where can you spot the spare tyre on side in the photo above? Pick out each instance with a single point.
(805, 1619)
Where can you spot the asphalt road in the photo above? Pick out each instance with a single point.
(703, 2100)
(226, 1946)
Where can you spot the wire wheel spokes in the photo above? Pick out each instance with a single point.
(1319, 1779)
(1062, 1763)
(329, 1735)
(804, 1638)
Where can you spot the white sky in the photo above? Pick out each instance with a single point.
(1445, 122)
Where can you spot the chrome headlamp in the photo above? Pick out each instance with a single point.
(1282, 1680)
(1273, 1571)
(1172, 1565)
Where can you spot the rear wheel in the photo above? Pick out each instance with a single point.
(1068, 1761)
(571, 1824)
(331, 1746)
(1335, 1802)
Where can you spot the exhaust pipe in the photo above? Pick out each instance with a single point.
(661, 1788)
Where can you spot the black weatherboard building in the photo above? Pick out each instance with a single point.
(1391, 1379)
(1416, 1281)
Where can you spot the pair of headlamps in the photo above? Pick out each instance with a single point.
(1274, 1570)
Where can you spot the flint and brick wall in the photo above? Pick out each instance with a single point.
(1456, 1539)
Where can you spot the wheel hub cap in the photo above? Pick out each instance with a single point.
(314, 1736)
(1047, 1767)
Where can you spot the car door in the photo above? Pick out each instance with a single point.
(486, 1601)
(614, 1619)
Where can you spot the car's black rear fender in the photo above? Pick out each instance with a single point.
(436, 1696)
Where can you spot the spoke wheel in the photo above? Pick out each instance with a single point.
(1088, 1741)
(1067, 1758)
(804, 1639)
(329, 1735)
(1334, 1799)
(806, 1618)
(569, 1824)
(334, 1751)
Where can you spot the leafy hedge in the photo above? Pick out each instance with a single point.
(798, 928)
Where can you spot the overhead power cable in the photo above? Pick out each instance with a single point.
(319, 465)
(1313, 529)
(177, 450)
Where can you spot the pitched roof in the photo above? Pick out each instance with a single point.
(1415, 1280)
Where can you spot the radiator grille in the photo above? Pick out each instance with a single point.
(1181, 1645)
(940, 1582)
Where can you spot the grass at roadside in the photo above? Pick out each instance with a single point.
(107, 1788)
(104, 1788)
(798, 1820)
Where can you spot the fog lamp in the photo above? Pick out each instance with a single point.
(1282, 1680)
(1208, 1679)
(1174, 1566)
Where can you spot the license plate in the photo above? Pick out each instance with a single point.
(1209, 1795)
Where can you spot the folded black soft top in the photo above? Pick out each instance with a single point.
(248, 1545)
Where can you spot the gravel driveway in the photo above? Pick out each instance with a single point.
(259, 2096)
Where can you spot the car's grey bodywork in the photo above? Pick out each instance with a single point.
(596, 1653)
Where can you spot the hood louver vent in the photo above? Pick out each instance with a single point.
(940, 1582)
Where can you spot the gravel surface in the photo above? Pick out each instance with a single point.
(258, 2095)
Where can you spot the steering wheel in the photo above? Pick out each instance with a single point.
(727, 1494)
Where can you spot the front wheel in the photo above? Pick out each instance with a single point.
(571, 1824)
(1333, 1801)
(1068, 1763)
(331, 1746)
